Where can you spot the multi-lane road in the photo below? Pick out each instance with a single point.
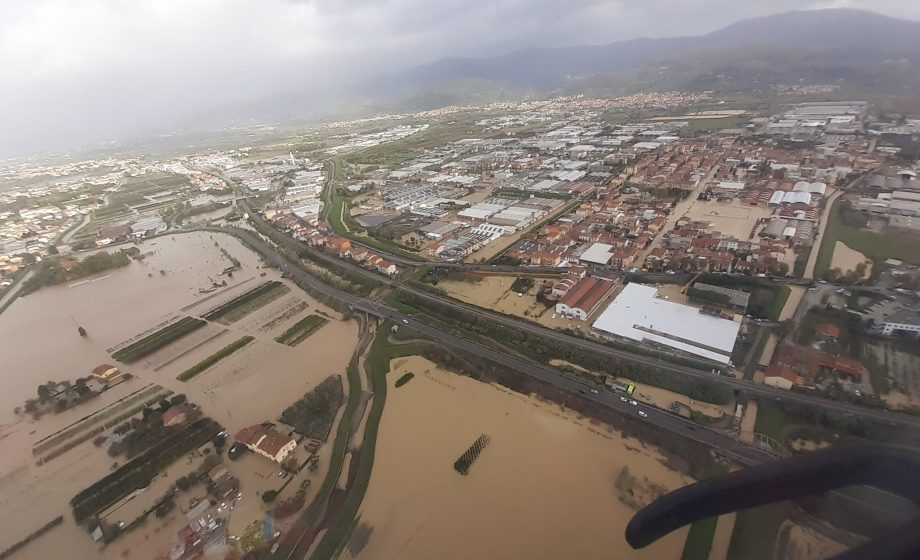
(749, 387)
(881, 502)
(541, 372)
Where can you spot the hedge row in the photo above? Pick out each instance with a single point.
(37, 533)
(405, 378)
(240, 300)
(301, 330)
(153, 342)
(214, 358)
(138, 472)
(103, 426)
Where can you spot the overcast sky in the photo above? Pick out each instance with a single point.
(75, 71)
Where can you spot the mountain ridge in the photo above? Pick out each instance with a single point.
(861, 48)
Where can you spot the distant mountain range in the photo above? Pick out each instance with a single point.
(861, 50)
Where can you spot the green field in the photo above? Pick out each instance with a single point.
(337, 457)
(756, 530)
(718, 123)
(214, 358)
(771, 420)
(153, 342)
(378, 366)
(699, 539)
(301, 330)
(873, 245)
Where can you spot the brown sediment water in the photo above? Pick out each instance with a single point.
(494, 292)
(729, 218)
(543, 488)
(846, 259)
(39, 342)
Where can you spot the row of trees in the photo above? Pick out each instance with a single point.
(313, 414)
(58, 271)
(140, 471)
(463, 464)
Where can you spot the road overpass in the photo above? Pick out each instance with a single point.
(750, 387)
(882, 503)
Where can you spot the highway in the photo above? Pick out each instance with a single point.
(882, 503)
(750, 387)
(666, 420)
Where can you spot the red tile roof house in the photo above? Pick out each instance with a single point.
(782, 377)
(828, 332)
(266, 442)
(359, 254)
(175, 415)
(583, 298)
(386, 267)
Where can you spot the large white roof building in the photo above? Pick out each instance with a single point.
(598, 253)
(638, 315)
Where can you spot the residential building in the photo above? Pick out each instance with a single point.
(266, 441)
(175, 415)
(782, 377)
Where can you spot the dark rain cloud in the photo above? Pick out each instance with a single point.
(75, 71)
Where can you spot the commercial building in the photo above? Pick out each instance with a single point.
(638, 315)
(437, 229)
(905, 322)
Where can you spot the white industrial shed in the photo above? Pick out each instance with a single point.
(598, 253)
(793, 197)
(638, 315)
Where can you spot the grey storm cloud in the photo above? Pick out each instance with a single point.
(75, 71)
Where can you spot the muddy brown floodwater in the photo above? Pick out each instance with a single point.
(846, 259)
(544, 488)
(39, 342)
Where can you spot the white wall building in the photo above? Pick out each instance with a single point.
(637, 314)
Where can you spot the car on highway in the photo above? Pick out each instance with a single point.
(643, 414)
(623, 399)
(405, 321)
(594, 391)
(633, 402)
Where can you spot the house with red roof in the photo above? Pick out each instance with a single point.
(582, 299)
(267, 442)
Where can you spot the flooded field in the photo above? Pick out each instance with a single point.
(792, 302)
(545, 487)
(494, 292)
(846, 259)
(181, 275)
(728, 218)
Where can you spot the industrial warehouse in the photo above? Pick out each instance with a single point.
(637, 314)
